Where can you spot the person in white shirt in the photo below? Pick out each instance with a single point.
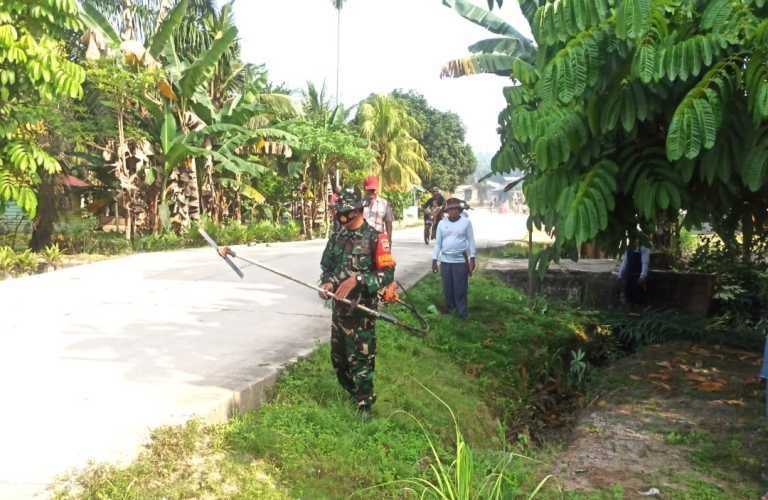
(456, 251)
(377, 211)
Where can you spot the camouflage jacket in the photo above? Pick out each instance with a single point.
(354, 252)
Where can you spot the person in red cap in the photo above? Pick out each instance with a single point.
(378, 211)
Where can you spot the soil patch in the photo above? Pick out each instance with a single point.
(681, 418)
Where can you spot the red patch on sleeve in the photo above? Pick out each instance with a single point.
(384, 259)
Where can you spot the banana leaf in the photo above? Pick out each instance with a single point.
(487, 20)
(167, 28)
(496, 64)
(196, 74)
(95, 20)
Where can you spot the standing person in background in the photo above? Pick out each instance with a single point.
(634, 271)
(764, 374)
(333, 198)
(378, 212)
(455, 249)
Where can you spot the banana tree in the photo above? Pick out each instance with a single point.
(493, 55)
(248, 119)
(103, 41)
(184, 84)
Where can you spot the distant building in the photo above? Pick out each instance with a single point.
(13, 219)
(491, 191)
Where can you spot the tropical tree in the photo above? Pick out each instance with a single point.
(400, 160)
(122, 133)
(34, 72)
(319, 110)
(321, 152)
(443, 137)
(628, 113)
(338, 5)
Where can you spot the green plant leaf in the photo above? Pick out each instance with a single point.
(95, 20)
(167, 28)
(200, 70)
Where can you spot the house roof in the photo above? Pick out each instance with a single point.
(71, 181)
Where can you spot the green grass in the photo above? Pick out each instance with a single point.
(308, 441)
(515, 250)
(496, 371)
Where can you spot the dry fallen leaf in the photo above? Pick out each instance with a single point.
(635, 377)
(660, 376)
(729, 402)
(696, 378)
(664, 386)
(664, 364)
(710, 386)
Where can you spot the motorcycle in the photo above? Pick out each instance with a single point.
(427, 226)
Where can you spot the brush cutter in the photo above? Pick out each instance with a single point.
(419, 331)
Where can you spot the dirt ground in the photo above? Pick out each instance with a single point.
(684, 419)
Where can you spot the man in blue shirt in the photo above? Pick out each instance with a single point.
(455, 249)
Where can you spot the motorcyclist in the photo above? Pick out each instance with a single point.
(434, 207)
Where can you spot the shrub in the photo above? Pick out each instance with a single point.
(74, 233)
(27, 262)
(741, 288)
(53, 256)
(7, 262)
(398, 201)
(159, 242)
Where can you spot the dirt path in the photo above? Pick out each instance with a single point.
(684, 419)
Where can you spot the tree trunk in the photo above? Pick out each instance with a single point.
(207, 200)
(238, 208)
(47, 213)
(185, 194)
(126, 183)
(531, 270)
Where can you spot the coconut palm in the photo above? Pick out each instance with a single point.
(338, 5)
(400, 159)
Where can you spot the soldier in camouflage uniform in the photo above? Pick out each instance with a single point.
(356, 264)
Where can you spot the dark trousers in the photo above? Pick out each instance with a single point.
(353, 353)
(455, 285)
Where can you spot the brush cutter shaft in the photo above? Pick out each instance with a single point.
(308, 285)
(371, 312)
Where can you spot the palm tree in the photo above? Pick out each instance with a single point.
(400, 159)
(338, 5)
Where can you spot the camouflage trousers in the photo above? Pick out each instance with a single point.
(353, 354)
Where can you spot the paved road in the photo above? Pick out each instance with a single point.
(93, 357)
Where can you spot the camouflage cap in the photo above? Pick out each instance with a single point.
(348, 201)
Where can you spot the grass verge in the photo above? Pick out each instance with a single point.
(308, 442)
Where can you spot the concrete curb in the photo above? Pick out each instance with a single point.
(255, 393)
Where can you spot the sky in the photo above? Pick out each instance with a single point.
(386, 44)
